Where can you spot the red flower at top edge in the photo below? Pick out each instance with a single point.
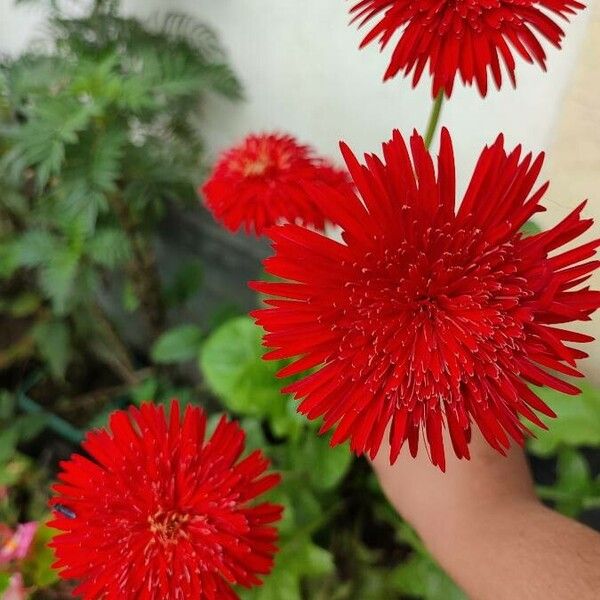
(462, 37)
(427, 316)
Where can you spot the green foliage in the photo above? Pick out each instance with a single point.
(297, 559)
(577, 425)
(178, 344)
(53, 342)
(97, 135)
(530, 228)
(420, 576)
(15, 428)
(575, 489)
(577, 422)
(4, 581)
(232, 365)
(37, 567)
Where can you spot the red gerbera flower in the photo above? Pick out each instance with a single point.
(463, 37)
(158, 513)
(426, 316)
(266, 180)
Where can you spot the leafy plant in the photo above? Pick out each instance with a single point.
(97, 137)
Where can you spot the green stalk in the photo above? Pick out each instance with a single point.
(434, 119)
(52, 421)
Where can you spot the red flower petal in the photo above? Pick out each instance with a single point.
(427, 316)
(267, 180)
(462, 37)
(160, 513)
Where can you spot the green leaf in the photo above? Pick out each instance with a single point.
(178, 344)
(232, 364)
(53, 342)
(530, 228)
(574, 488)
(35, 247)
(420, 577)
(577, 422)
(331, 464)
(129, 298)
(57, 278)
(297, 558)
(145, 391)
(108, 247)
(574, 478)
(29, 426)
(9, 439)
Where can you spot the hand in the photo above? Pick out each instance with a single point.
(482, 521)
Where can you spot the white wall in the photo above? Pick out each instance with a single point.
(303, 73)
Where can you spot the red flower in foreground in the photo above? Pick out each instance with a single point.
(160, 514)
(465, 37)
(267, 180)
(429, 317)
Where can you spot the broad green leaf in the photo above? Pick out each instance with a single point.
(326, 466)
(233, 368)
(178, 344)
(54, 345)
(577, 422)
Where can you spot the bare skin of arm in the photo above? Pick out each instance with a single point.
(483, 523)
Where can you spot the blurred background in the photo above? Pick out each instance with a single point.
(116, 286)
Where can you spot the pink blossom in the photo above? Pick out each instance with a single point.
(16, 545)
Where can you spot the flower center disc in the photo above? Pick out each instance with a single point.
(168, 527)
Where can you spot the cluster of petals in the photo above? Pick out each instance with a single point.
(466, 38)
(155, 511)
(15, 544)
(427, 316)
(267, 180)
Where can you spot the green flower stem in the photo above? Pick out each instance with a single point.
(434, 119)
(53, 422)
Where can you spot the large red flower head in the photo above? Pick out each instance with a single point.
(463, 37)
(426, 316)
(158, 513)
(266, 180)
